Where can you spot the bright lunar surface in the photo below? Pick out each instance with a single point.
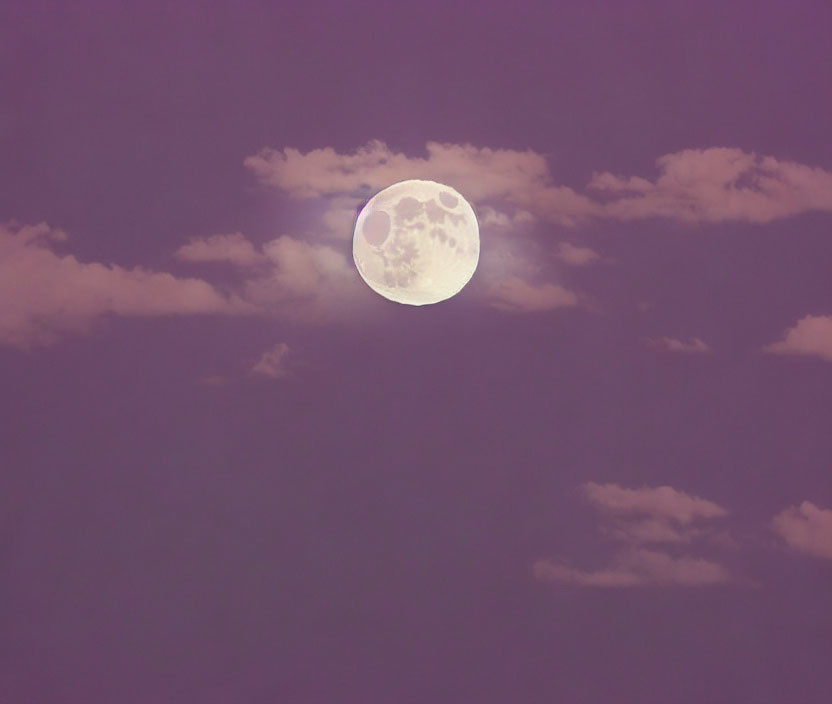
(416, 242)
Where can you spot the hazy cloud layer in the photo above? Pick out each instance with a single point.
(811, 335)
(806, 528)
(693, 185)
(44, 295)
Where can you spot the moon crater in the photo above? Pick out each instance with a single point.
(448, 200)
(376, 228)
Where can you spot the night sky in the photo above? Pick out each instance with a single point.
(231, 472)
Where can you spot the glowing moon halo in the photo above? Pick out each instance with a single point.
(416, 242)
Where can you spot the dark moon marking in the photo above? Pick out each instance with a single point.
(408, 208)
(448, 200)
(434, 212)
(376, 227)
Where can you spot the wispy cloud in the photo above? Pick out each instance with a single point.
(636, 518)
(811, 335)
(576, 256)
(480, 172)
(651, 514)
(660, 502)
(489, 217)
(693, 185)
(339, 215)
(233, 248)
(520, 179)
(274, 363)
(806, 528)
(45, 295)
(287, 277)
(514, 295)
(315, 282)
(671, 344)
(717, 185)
(307, 282)
(511, 187)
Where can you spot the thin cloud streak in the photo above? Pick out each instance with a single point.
(638, 567)
(693, 346)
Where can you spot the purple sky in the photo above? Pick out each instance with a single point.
(230, 472)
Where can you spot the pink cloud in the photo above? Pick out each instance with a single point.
(312, 282)
(651, 515)
(339, 216)
(233, 248)
(671, 344)
(717, 185)
(514, 295)
(617, 184)
(576, 256)
(643, 516)
(44, 295)
(477, 172)
(557, 204)
(806, 528)
(662, 502)
(811, 335)
(308, 282)
(520, 178)
(274, 363)
(693, 185)
(489, 217)
(638, 567)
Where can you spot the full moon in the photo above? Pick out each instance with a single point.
(416, 242)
